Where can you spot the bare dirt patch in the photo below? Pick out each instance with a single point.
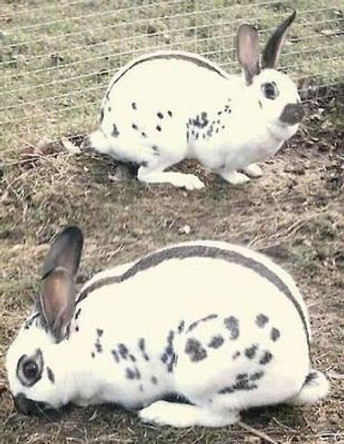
(294, 213)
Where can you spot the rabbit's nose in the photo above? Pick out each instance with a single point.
(27, 406)
(293, 113)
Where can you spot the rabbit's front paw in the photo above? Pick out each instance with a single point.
(191, 182)
(253, 170)
(235, 178)
(184, 415)
(180, 180)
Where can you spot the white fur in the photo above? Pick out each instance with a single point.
(151, 304)
(251, 132)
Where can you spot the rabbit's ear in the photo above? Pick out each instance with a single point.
(275, 43)
(247, 44)
(61, 265)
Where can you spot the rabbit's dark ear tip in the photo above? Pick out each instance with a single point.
(293, 15)
(73, 232)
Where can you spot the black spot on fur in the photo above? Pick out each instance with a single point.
(115, 355)
(28, 323)
(200, 121)
(168, 356)
(216, 341)
(219, 113)
(99, 332)
(133, 105)
(133, 373)
(232, 324)
(93, 354)
(134, 126)
(266, 358)
(130, 374)
(244, 384)
(158, 128)
(76, 328)
(226, 390)
(132, 358)
(155, 150)
(123, 351)
(195, 350)
(241, 384)
(236, 355)
(195, 324)
(169, 113)
(51, 375)
(101, 115)
(154, 380)
(256, 376)
(251, 351)
(260, 104)
(275, 334)
(241, 376)
(262, 320)
(109, 109)
(115, 132)
(181, 326)
(143, 134)
(77, 314)
(142, 347)
(160, 115)
(98, 347)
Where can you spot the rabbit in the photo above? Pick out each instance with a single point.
(218, 326)
(171, 105)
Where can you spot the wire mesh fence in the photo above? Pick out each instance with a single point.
(56, 57)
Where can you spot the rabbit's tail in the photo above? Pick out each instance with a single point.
(99, 141)
(315, 387)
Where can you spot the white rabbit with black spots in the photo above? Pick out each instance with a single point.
(218, 325)
(171, 105)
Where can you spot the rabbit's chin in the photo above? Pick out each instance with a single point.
(282, 131)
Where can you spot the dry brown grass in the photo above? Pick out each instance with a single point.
(294, 214)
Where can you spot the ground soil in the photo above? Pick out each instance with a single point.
(294, 213)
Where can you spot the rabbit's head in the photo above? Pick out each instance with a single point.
(275, 93)
(36, 362)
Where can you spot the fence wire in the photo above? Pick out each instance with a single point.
(56, 57)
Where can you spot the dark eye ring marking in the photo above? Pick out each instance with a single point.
(30, 368)
(269, 90)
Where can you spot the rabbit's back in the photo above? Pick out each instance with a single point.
(185, 283)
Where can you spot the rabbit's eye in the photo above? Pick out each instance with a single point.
(30, 369)
(270, 90)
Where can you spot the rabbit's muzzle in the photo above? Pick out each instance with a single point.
(27, 406)
(292, 114)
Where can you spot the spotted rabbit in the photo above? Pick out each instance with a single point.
(218, 325)
(168, 106)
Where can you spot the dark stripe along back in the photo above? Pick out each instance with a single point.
(189, 251)
(178, 56)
